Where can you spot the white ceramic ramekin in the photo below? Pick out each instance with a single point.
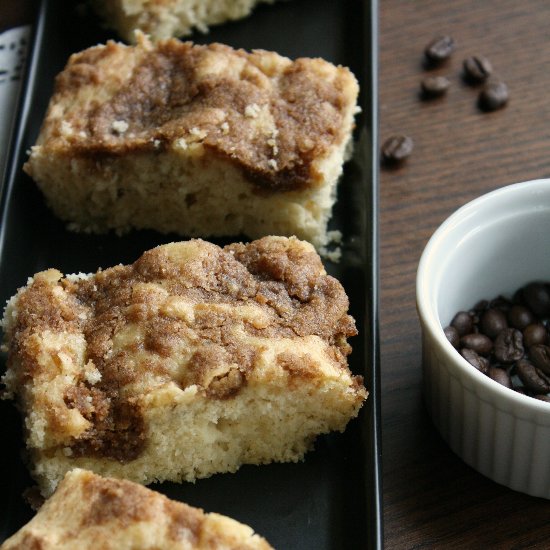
(493, 245)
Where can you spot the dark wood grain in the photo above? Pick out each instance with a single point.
(431, 498)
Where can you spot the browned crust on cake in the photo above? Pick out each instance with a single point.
(167, 96)
(282, 278)
(89, 511)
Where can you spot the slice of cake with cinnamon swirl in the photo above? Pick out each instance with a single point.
(89, 512)
(200, 141)
(193, 360)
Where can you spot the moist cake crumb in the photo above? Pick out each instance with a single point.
(191, 361)
(156, 136)
(166, 18)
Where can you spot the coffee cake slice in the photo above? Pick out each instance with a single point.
(191, 361)
(198, 140)
(167, 18)
(88, 512)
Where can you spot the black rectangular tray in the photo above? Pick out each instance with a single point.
(333, 498)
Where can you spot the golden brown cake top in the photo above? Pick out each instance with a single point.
(90, 512)
(86, 352)
(269, 115)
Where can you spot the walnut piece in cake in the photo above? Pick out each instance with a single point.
(191, 361)
(167, 18)
(197, 140)
(90, 512)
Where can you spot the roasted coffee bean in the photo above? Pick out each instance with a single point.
(475, 321)
(535, 333)
(481, 306)
(517, 298)
(520, 389)
(493, 96)
(520, 317)
(492, 322)
(477, 68)
(479, 343)
(537, 298)
(480, 363)
(533, 379)
(508, 346)
(540, 355)
(519, 336)
(440, 49)
(542, 397)
(434, 86)
(452, 335)
(396, 149)
(500, 376)
(502, 303)
(462, 321)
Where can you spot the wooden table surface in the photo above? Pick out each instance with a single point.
(431, 498)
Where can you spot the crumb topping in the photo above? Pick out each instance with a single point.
(115, 500)
(90, 511)
(185, 521)
(263, 112)
(188, 313)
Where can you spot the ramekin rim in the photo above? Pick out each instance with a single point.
(430, 319)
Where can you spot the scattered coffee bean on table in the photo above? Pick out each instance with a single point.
(493, 96)
(434, 86)
(440, 49)
(396, 149)
(508, 340)
(477, 68)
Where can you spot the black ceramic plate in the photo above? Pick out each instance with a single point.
(332, 499)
